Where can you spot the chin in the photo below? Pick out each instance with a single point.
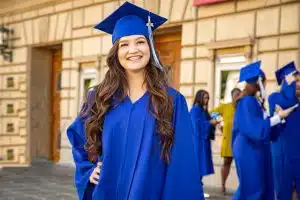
(136, 67)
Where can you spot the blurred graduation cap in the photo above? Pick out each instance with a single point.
(251, 72)
(287, 69)
(130, 19)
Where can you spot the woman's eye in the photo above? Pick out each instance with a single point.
(123, 45)
(141, 42)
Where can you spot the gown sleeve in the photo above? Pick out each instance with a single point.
(275, 130)
(182, 175)
(83, 167)
(201, 125)
(251, 121)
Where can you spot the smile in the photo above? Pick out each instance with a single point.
(134, 58)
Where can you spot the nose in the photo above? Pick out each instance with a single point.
(132, 48)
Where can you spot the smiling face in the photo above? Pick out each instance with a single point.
(133, 52)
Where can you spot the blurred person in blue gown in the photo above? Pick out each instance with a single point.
(204, 129)
(133, 138)
(285, 148)
(251, 137)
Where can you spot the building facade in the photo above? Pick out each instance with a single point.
(57, 55)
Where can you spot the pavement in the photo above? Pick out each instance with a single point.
(46, 181)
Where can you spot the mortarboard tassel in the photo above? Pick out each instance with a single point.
(149, 25)
(262, 89)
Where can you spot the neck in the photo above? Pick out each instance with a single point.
(204, 106)
(136, 82)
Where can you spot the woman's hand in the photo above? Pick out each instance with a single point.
(290, 78)
(284, 113)
(213, 122)
(94, 178)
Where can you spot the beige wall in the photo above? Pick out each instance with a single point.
(269, 29)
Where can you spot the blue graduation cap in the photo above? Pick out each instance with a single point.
(251, 72)
(284, 71)
(130, 19)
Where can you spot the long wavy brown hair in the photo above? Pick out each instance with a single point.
(115, 85)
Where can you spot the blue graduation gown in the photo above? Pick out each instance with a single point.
(276, 147)
(285, 150)
(202, 129)
(132, 166)
(251, 151)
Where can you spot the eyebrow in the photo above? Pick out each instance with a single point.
(122, 41)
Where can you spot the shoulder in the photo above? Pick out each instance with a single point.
(274, 95)
(195, 108)
(228, 107)
(248, 101)
(173, 92)
(223, 105)
(176, 95)
(226, 104)
(179, 101)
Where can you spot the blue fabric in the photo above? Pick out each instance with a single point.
(127, 20)
(251, 151)
(276, 147)
(285, 151)
(132, 166)
(84, 168)
(288, 93)
(284, 71)
(202, 129)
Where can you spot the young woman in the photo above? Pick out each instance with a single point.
(204, 128)
(227, 112)
(251, 138)
(133, 138)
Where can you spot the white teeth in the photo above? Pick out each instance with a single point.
(134, 58)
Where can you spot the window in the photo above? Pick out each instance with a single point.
(2, 156)
(10, 82)
(227, 76)
(10, 127)
(88, 79)
(10, 154)
(87, 84)
(9, 108)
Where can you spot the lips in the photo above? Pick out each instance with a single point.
(134, 58)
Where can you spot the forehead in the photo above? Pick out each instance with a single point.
(131, 37)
